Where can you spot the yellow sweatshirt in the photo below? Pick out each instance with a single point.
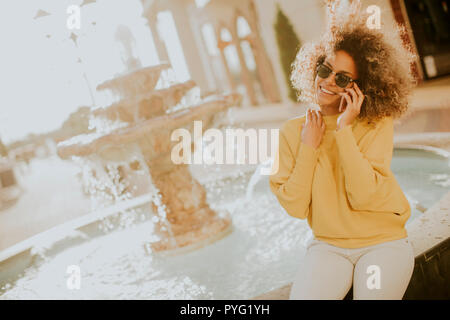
(345, 187)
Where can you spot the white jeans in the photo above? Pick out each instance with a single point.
(380, 271)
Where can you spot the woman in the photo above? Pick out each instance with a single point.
(334, 165)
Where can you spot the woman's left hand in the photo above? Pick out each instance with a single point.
(352, 106)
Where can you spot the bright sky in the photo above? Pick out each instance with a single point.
(201, 3)
(40, 78)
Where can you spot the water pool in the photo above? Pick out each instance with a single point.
(262, 253)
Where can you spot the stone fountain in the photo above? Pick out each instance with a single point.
(142, 118)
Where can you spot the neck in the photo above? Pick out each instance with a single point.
(330, 115)
(328, 110)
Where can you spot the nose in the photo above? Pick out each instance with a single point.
(330, 80)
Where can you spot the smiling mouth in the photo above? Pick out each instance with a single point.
(330, 93)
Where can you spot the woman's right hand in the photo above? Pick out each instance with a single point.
(313, 128)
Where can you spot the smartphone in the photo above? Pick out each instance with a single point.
(342, 104)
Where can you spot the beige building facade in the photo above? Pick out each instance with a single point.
(230, 45)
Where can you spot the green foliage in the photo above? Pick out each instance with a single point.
(3, 150)
(288, 45)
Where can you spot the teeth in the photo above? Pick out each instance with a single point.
(326, 91)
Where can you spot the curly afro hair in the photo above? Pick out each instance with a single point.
(382, 60)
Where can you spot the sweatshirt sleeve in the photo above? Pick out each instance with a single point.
(369, 181)
(292, 180)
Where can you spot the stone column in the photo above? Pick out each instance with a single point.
(246, 77)
(159, 44)
(189, 41)
(227, 69)
(224, 60)
(264, 65)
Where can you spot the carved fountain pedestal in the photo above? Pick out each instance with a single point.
(192, 221)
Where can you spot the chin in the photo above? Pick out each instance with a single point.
(327, 100)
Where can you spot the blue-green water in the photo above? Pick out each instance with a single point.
(262, 253)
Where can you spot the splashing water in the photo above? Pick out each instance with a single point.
(106, 186)
(262, 253)
(256, 177)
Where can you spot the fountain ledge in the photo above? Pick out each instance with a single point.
(61, 231)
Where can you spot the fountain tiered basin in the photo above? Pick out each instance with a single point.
(134, 135)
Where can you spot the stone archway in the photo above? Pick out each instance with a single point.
(228, 41)
(264, 65)
(225, 13)
(244, 36)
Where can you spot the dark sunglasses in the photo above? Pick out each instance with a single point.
(341, 79)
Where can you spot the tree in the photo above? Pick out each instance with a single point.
(3, 150)
(288, 45)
